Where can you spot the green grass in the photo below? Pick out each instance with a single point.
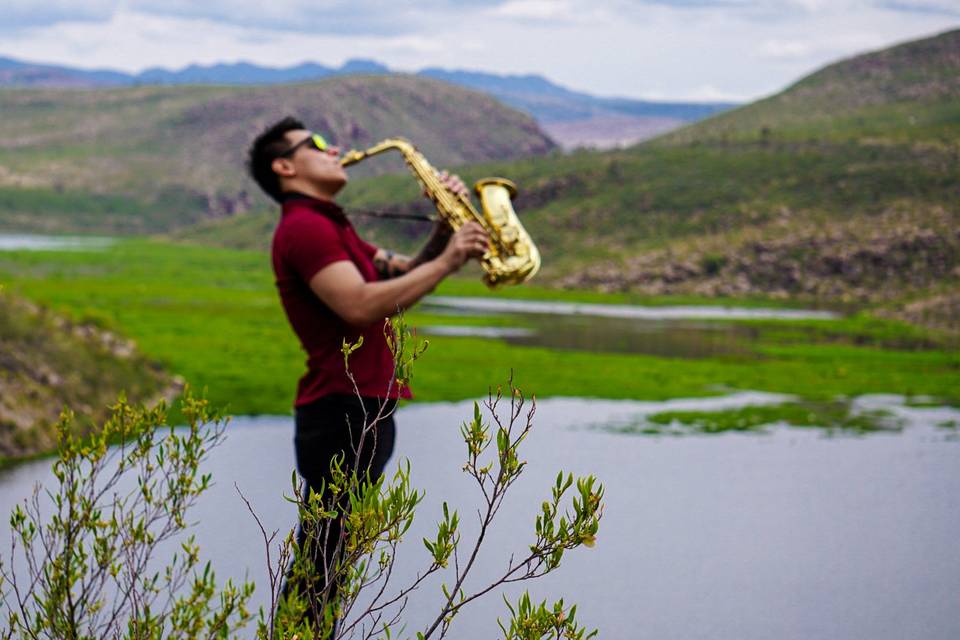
(60, 210)
(832, 415)
(858, 329)
(212, 315)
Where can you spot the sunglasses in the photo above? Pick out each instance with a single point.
(316, 139)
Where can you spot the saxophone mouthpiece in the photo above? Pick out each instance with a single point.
(351, 157)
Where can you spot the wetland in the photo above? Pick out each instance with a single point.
(770, 474)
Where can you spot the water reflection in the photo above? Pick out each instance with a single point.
(635, 312)
(682, 332)
(464, 331)
(673, 339)
(32, 242)
(652, 337)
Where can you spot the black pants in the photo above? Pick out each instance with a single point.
(326, 428)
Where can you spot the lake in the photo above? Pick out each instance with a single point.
(785, 533)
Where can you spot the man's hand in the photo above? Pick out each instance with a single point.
(454, 183)
(470, 241)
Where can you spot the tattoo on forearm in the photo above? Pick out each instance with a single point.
(381, 262)
(390, 265)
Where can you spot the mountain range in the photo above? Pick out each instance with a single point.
(573, 118)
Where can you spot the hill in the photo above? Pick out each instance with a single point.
(861, 157)
(152, 158)
(841, 190)
(49, 362)
(903, 93)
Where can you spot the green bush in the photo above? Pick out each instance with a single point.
(90, 550)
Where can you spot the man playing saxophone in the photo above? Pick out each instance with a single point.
(335, 287)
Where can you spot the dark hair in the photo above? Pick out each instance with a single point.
(266, 148)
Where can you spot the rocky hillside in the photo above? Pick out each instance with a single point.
(153, 158)
(858, 199)
(48, 362)
(879, 260)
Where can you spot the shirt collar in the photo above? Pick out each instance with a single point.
(325, 207)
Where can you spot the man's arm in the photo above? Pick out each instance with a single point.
(391, 265)
(360, 303)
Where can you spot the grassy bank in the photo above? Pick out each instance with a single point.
(212, 316)
(48, 363)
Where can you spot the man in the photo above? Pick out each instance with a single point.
(334, 286)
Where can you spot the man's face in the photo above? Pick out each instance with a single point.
(319, 168)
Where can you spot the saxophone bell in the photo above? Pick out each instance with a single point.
(513, 258)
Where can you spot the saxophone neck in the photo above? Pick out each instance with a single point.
(354, 156)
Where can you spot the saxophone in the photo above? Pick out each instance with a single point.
(511, 257)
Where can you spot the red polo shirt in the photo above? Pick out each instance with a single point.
(312, 234)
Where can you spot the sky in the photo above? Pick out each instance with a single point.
(649, 49)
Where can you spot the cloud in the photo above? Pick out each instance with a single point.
(695, 4)
(331, 17)
(132, 41)
(779, 10)
(943, 7)
(27, 14)
(786, 48)
(686, 13)
(672, 49)
(740, 7)
(390, 18)
(328, 17)
(702, 93)
(535, 10)
(825, 46)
